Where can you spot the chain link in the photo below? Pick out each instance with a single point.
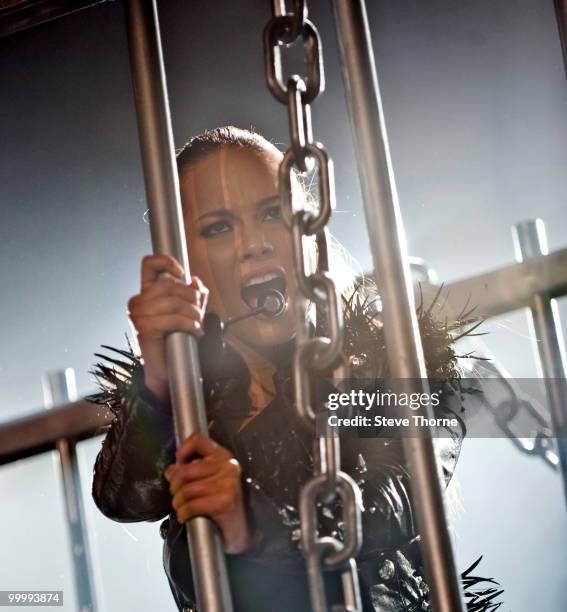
(299, 14)
(299, 121)
(276, 36)
(323, 351)
(519, 409)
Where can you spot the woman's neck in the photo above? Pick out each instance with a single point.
(261, 368)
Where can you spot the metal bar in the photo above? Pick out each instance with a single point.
(59, 388)
(168, 237)
(389, 252)
(16, 15)
(39, 432)
(499, 291)
(510, 287)
(561, 15)
(529, 242)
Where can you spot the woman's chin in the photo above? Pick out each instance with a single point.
(264, 333)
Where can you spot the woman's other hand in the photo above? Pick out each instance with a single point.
(165, 304)
(206, 481)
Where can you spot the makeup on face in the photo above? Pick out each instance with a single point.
(238, 243)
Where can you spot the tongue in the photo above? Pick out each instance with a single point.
(252, 301)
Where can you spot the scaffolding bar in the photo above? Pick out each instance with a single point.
(510, 287)
(38, 433)
(530, 242)
(390, 259)
(561, 15)
(59, 388)
(168, 237)
(16, 15)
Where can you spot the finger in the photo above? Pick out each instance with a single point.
(182, 474)
(199, 489)
(195, 470)
(154, 265)
(197, 444)
(165, 285)
(165, 305)
(168, 287)
(159, 325)
(205, 506)
(171, 286)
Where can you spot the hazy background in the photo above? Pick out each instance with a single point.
(475, 101)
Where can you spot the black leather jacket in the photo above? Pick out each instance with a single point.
(274, 450)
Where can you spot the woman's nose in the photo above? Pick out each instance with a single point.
(254, 245)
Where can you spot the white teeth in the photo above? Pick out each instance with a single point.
(256, 280)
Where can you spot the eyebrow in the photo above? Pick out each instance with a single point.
(226, 212)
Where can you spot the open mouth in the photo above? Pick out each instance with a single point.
(251, 293)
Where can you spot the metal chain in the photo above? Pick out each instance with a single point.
(321, 352)
(518, 408)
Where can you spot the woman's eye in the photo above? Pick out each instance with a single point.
(213, 229)
(273, 212)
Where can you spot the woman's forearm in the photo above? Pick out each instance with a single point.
(128, 482)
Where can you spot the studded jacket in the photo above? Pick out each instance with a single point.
(274, 449)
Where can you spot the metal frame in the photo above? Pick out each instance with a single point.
(534, 283)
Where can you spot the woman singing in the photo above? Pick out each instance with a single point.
(248, 474)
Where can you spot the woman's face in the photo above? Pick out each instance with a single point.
(236, 239)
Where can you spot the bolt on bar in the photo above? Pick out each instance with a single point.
(389, 253)
(168, 237)
(58, 389)
(530, 242)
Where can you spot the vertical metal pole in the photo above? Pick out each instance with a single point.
(58, 389)
(561, 15)
(168, 237)
(389, 252)
(530, 242)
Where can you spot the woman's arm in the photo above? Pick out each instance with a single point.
(128, 482)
